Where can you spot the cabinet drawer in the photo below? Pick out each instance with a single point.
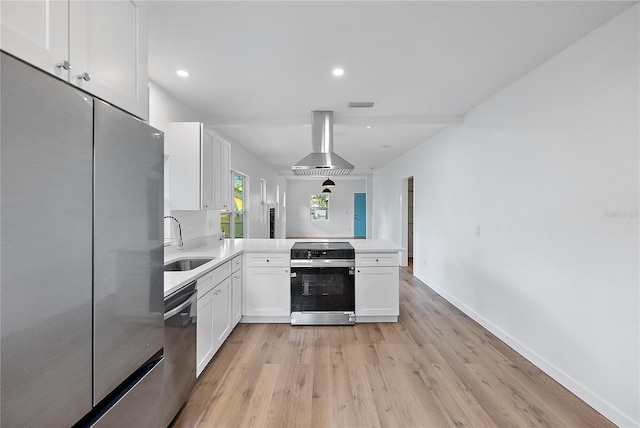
(236, 263)
(221, 272)
(267, 259)
(205, 284)
(377, 259)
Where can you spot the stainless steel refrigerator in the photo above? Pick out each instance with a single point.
(81, 257)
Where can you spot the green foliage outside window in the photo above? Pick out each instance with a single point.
(238, 192)
(238, 210)
(320, 207)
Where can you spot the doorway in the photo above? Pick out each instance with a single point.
(360, 215)
(272, 223)
(406, 225)
(410, 222)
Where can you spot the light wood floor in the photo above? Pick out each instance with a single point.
(435, 368)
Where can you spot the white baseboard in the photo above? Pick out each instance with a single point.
(588, 396)
(376, 318)
(265, 319)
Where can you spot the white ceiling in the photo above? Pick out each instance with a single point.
(259, 68)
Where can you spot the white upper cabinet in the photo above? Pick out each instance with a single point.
(99, 46)
(222, 174)
(185, 144)
(199, 167)
(37, 32)
(225, 176)
(108, 46)
(207, 166)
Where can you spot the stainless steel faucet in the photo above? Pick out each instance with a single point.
(180, 243)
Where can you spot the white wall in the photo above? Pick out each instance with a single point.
(340, 223)
(249, 164)
(165, 108)
(549, 169)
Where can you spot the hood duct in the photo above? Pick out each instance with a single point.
(322, 160)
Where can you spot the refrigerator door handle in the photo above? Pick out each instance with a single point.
(177, 310)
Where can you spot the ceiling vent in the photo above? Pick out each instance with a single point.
(362, 104)
(322, 160)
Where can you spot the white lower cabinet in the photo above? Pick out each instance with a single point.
(214, 314)
(221, 313)
(204, 332)
(236, 291)
(377, 291)
(267, 290)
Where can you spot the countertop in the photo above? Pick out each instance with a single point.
(225, 250)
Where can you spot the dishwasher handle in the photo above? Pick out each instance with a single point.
(178, 309)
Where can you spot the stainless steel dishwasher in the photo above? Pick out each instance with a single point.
(179, 349)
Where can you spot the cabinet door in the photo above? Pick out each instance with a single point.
(221, 313)
(267, 291)
(108, 40)
(377, 290)
(183, 144)
(37, 32)
(236, 297)
(222, 178)
(207, 168)
(204, 331)
(225, 176)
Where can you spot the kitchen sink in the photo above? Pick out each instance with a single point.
(185, 264)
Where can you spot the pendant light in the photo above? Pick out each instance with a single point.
(328, 183)
(326, 190)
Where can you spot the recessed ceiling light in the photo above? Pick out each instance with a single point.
(368, 127)
(182, 73)
(337, 72)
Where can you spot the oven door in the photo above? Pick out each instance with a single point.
(322, 293)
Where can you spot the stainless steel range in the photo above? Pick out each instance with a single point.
(323, 283)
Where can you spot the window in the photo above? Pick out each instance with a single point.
(277, 201)
(263, 200)
(237, 213)
(319, 207)
(284, 206)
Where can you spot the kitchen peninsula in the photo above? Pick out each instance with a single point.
(370, 253)
(248, 280)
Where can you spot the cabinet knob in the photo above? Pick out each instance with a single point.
(84, 76)
(377, 260)
(267, 260)
(64, 64)
(286, 270)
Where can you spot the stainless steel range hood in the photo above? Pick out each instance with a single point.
(322, 160)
